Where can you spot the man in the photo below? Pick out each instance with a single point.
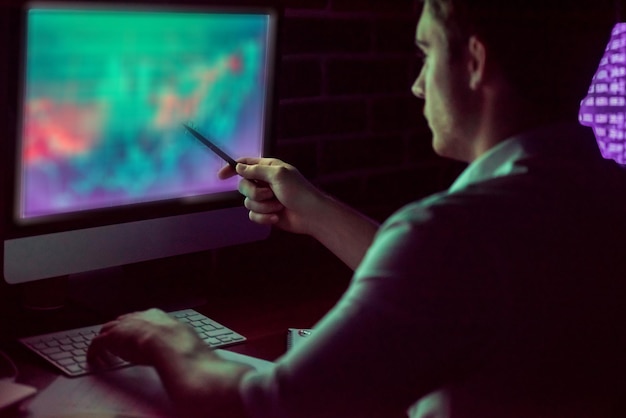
(501, 297)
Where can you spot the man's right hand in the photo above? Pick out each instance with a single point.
(277, 194)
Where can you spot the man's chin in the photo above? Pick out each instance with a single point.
(444, 150)
(438, 146)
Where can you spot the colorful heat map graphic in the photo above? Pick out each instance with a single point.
(106, 92)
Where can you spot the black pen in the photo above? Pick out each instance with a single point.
(231, 162)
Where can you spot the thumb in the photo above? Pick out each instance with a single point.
(252, 172)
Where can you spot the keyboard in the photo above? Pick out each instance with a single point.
(67, 350)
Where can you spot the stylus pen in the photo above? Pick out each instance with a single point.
(211, 146)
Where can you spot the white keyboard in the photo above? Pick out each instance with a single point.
(67, 350)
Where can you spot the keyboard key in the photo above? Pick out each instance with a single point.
(218, 332)
(66, 361)
(73, 369)
(39, 346)
(61, 355)
(51, 350)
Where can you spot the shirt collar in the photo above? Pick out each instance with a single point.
(500, 160)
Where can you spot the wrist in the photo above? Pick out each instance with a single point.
(205, 383)
(319, 211)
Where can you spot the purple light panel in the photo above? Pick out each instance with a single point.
(604, 108)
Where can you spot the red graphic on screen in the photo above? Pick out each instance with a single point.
(55, 130)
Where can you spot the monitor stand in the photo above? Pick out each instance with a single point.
(168, 285)
(115, 291)
(44, 295)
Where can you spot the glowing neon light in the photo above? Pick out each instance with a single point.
(604, 108)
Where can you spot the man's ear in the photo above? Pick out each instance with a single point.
(477, 56)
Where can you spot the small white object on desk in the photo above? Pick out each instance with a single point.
(297, 336)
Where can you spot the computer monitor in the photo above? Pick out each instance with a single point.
(99, 170)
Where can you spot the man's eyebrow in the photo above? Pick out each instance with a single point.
(421, 43)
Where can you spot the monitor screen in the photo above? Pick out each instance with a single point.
(103, 91)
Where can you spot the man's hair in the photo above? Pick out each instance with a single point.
(547, 49)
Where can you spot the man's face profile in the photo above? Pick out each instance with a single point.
(442, 84)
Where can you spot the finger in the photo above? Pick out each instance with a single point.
(99, 347)
(264, 219)
(96, 352)
(108, 326)
(101, 357)
(255, 191)
(250, 160)
(226, 172)
(265, 207)
(256, 172)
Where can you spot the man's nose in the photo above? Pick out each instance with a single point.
(418, 88)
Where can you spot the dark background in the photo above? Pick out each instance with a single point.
(346, 118)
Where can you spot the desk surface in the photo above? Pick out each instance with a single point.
(262, 316)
